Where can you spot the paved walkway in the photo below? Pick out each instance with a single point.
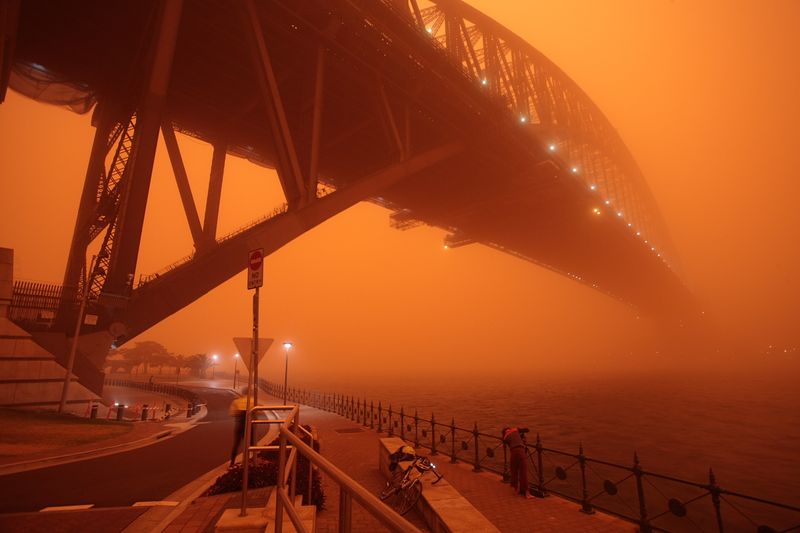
(354, 449)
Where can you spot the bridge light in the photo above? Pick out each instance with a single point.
(638, 233)
(608, 202)
(619, 213)
(552, 147)
(592, 187)
(484, 81)
(523, 119)
(596, 211)
(429, 30)
(446, 247)
(574, 170)
(629, 224)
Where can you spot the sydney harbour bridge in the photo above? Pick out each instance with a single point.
(430, 109)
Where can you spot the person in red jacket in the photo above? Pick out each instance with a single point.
(512, 437)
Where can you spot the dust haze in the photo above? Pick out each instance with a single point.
(704, 93)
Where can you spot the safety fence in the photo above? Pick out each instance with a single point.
(654, 501)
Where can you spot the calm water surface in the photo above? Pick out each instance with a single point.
(745, 426)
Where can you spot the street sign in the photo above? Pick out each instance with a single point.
(245, 347)
(255, 268)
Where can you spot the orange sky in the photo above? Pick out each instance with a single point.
(704, 93)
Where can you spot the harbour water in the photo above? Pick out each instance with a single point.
(745, 425)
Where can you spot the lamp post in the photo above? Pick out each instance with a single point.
(214, 358)
(235, 363)
(287, 346)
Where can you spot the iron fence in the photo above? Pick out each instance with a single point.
(654, 501)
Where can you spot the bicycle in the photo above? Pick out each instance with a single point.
(405, 487)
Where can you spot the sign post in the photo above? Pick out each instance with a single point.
(255, 279)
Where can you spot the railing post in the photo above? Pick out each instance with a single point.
(281, 486)
(345, 510)
(380, 418)
(433, 435)
(713, 488)
(586, 506)
(391, 428)
(644, 523)
(542, 492)
(416, 429)
(402, 424)
(453, 458)
(477, 464)
(371, 414)
(366, 413)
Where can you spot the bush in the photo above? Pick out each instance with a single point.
(264, 473)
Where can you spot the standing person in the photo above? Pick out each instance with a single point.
(238, 410)
(512, 437)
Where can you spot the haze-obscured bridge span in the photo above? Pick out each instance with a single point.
(434, 111)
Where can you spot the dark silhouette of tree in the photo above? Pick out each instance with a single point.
(198, 364)
(147, 353)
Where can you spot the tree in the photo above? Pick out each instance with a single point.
(147, 352)
(198, 363)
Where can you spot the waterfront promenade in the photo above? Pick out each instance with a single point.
(352, 448)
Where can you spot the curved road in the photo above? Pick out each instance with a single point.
(149, 473)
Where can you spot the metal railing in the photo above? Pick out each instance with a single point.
(161, 388)
(289, 428)
(654, 501)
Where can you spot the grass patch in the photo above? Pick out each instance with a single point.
(31, 431)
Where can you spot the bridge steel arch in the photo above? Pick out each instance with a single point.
(437, 113)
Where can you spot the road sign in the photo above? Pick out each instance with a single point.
(245, 346)
(255, 268)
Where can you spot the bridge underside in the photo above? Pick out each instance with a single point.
(342, 96)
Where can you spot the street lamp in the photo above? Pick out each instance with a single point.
(287, 346)
(214, 358)
(235, 363)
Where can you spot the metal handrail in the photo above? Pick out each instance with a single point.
(347, 486)
(287, 467)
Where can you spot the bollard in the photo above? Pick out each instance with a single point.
(402, 424)
(371, 415)
(120, 411)
(189, 410)
(380, 418)
(391, 429)
(93, 412)
(144, 412)
(167, 409)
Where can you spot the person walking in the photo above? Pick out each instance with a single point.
(238, 410)
(512, 437)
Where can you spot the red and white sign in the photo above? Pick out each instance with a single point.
(255, 268)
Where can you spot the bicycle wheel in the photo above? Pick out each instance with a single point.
(407, 497)
(389, 490)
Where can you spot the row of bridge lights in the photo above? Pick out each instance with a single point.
(574, 169)
(597, 211)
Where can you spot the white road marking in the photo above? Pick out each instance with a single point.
(159, 503)
(67, 508)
